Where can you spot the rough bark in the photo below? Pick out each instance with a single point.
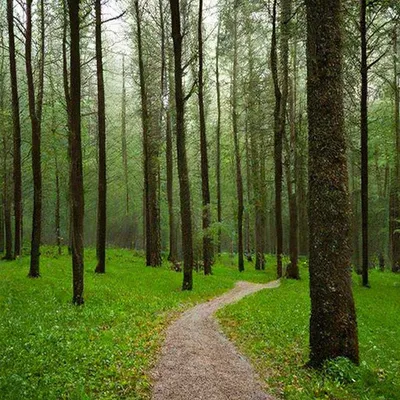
(364, 142)
(395, 186)
(239, 179)
(35, 101)
(333, 326)
(205, 187)
(278, 140)
(183, 173)
(102, 172)
(150, 151)
(173, 241)
(218, 134)
(17, 174)
(76, 178)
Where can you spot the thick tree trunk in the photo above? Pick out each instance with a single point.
(205, 188)
(57, 213)
(183, 173)
(239, 180)
(218, 134)
(102, 177)
(364, 142)
(76, 178)
(1, 223)
(278, 140)
(17, 174)
(35, 113)
(333, 326)
(8, 254)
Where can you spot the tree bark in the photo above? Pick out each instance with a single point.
(218, 134)
(123, 139)
(76, 178)
(395, 191)
(102, 177)
(239, 179)
(333, 326)
(35, 112)
(205, 188)
(153, 250)
(278, 139)
(17, 174)
(183, 173)
(364, 142)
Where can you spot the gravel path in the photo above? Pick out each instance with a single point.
(198, 362)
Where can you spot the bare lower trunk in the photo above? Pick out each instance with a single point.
(183, 173)
(333, 326)
(76, 178)
(102, 177)
(17, 174)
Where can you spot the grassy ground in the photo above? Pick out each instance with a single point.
(50, 349)
(271, 327)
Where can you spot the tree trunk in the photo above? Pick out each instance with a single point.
(278, 138)
(123, 140)
(35, 113)
(239, 180)
(153, 250)
(76, 178)
(102, 177)
(292, 271)
(364, 142)
(205, 188)
(17, 174)
(173, 243)
(218, 163)
(395, 195)
(333, 326)
(183, 173)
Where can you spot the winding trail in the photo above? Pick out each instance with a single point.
(198, 362)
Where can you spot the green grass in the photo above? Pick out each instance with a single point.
(271, 327)
(50, 349)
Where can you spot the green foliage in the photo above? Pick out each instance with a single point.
(271, 327)
(50, 349)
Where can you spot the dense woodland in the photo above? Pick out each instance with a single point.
(188, 129)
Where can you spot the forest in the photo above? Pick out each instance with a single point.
(200, 199)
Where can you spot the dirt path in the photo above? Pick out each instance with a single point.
(198, 362)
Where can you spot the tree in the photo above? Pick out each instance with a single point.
(17, 174)
(35, 113)
(102, 178)
(207, 241)
(76, 177)
(150, 155)
(279, 113)
(333, 326)
(183, 174)
(239, 179)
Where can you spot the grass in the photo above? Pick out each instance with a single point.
(271, 328)
(50, 349)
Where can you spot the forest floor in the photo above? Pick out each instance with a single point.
(50, 349)
(198, 362)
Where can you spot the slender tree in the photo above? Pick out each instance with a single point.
(17, 174)
(35, 113)
(218, 134)
(102, 178)
(207, 240)
(333, 326)
(76, 178)
(183, 173)
(278, 140)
